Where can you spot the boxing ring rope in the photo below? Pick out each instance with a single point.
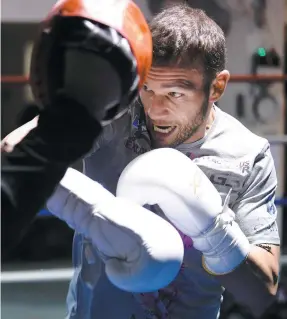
(42, 275)
(22, 79)
(48, 275)
(53, 275)
(65, 274)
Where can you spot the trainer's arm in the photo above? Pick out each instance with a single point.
(27, 180)
(255, 282)
(34, 159)
(16, 136)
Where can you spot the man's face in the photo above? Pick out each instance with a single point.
(175, 105)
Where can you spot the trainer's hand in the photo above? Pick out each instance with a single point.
(97, 52)
(189, 200)
(142, 252)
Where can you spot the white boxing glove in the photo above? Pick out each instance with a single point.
(168, 178)
(141, 251)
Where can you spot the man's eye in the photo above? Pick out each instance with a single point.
(145, 88)
(175, 94)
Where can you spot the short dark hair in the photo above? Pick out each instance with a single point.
(186, 37)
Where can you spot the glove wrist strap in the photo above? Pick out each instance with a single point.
(224, 246)
(230, 248)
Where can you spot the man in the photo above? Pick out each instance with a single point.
(176, 109)
(75, 37)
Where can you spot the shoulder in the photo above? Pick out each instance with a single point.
(113, 132)
(125, 133)
(233, 140)
(231, 153)
(114, 149)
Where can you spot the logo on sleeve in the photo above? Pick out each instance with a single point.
(136, 121)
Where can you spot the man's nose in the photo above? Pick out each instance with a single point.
(157, 109)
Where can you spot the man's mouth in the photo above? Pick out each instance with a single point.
(163, 129)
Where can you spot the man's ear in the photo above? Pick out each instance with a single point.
(218, 86)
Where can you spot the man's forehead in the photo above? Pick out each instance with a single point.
(167, 76)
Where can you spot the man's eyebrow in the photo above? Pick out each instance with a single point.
(184, 84)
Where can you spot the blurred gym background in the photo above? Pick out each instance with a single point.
(35, 277)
